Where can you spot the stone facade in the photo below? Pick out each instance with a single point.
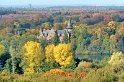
(48, 34)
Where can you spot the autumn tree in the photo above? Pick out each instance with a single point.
(111, 29)
(116, 59)
(49, 53)
(1, 49)
(46, 25)
(6, 30)
(63, 54)
(58, 26)
(113, 43)
(32, 57)
(49, 62)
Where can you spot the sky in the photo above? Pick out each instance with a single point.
(62, 2)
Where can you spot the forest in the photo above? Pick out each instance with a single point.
(94, 52)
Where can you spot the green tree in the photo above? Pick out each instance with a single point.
(80, 40)
(65, 38)
(55, 39)
(57, 26)
(100, 43)
(106, 45)
(100, 75)
(73, 42)
(43, 42)
(46, 25)
(15, 53)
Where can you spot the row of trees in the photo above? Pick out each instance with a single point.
(33, 55)
(58, 20)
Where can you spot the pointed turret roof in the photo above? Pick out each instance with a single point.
(69, 26)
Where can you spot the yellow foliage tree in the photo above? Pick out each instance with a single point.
(113, 43)
(49, 53)
(112, 25)
(33, 57)
(46, 25)
(63, 54)
(120, 31)
(1, 49)
(117, 59)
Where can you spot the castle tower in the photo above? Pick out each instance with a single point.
(68, 29)
(69, 26)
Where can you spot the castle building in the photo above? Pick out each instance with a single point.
(48, 34)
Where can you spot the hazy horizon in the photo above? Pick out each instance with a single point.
(26, 3)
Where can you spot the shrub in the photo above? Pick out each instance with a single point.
(100, 75)
(59, 72)
(117, 61)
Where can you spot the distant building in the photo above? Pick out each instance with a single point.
(48, 34)
(30, 6)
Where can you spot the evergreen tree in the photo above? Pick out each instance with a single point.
(55, 39)
(100, 43)
(43, 42)
(65, 38)
(13, 51)
(73, 42)
(16, 54)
